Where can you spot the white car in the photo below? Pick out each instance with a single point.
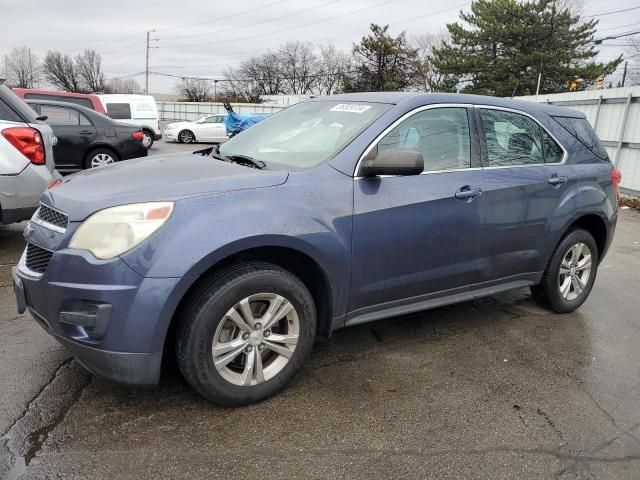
(210, 128)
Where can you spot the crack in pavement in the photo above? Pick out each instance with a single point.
(44, 412)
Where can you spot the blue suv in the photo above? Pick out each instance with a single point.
(334, 212)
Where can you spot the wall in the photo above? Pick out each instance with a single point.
(615, 115)
(196, 110)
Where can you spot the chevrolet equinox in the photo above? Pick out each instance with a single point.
(336, 211)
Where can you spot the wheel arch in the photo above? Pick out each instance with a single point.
(298, 262)
(596, 226)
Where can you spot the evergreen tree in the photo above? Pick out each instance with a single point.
(508, 43)
(382, 63)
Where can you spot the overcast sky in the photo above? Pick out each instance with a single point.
(202, 38)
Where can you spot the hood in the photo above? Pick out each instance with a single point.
(163, 177)
(179, 124)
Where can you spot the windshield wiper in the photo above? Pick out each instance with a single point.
(248, 161)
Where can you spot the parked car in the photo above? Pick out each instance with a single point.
(210, 128)
(334, 212)
(87, 139)
(26, 158)
(86, 100)
(138, 110)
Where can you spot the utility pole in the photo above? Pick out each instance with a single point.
(146, 68)
(215, 90)
(624, 73)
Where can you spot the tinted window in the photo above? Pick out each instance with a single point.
(119, 111)
(440, 134)
(60, 115)
(553, 153)
(12, 102)
(7, 113)
(212, 120)
(85, 102)
(512, 139)
(581, 129)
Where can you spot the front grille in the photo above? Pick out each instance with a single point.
(37, 258)
(54, 217)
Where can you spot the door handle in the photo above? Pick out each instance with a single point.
(558, 180)
(85, 132)
(468, 193)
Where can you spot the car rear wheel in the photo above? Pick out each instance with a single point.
(100, 157)
(147, 140)
(186, 136)
(245, 333)
(570, 274)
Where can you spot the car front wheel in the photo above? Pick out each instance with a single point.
(186, 136)
(570, 274)
(245, 333)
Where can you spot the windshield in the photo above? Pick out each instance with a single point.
(306, 134)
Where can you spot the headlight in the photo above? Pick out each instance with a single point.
(171, 126)
(113, 231)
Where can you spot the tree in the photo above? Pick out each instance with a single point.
(427, 77)
(123, 85)
(382, 62)
(60, 71)
(23, 68)
(194, 89)
(334, 66)
(507, 43)
(88, 66)
(299, 67)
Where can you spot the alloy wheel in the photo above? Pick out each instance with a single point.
(101, 160)
(186, 137)
(255, 339)
(147, 141)
(575, 271)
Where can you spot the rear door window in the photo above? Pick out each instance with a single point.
(60, 115)
(582, 130)
(512, 139)
(119, 111)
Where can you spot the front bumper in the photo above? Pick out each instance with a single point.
(171, 135)
(127, 344)
(157, 136)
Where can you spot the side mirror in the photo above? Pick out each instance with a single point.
(393, 162)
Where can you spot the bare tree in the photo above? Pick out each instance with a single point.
(88, 66)
(23, 68)
(334, 64)
(194, 89)
(633, 56)
(299, 67)
(60, 71)
(427, 77)
(122, 85)
(254, 77)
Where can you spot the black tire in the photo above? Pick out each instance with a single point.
(149, 138)
(206, 310)
(548, 292)
(99, 151)
(186, 136)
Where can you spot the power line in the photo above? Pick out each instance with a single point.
(218, 19)
(286, 29)
(104, 44)
(598, 41)
(257, 23)
(612, 12)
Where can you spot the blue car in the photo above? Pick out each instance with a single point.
(334, 212)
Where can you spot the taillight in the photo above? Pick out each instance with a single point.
(28, 141)
(616, 178)
(139, 136)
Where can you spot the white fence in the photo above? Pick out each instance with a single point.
(196, 110)
(615, 115)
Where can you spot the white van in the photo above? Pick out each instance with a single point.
(138, 110)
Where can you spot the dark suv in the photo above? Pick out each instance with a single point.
(336, 211)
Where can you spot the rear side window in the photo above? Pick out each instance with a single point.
(441, 135)
(512, 139)
(119, 111)
(63, 116)
(85, 102)
(582, 130)
(7, 113)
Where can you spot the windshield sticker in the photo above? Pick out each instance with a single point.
(351, 108)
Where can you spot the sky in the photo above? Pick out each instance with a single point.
(203, 38)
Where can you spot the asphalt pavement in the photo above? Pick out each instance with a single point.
(495, 388)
